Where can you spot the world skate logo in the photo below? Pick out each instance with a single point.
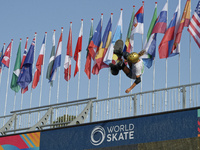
(98, 135)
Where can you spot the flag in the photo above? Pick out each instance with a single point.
(14, 86)
(25, 76)
(194, 26)
(22, 62)
(129, 42)
(165, 47)
(51, 60)
(96, 39)
(68, 57)
(98, 63)
(117, 35)
(185, 20)
(138, 25)
(159, 27)
(161, 23)
(57, 60)
(39, 63)
(1, 57)
(6, 56)
(88, 57)
(25, 53)
(77, 53)
(149, 45)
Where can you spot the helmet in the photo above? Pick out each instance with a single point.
(133, 57)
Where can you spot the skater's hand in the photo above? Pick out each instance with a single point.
(128, 90)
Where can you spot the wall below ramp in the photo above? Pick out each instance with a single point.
(170, 130)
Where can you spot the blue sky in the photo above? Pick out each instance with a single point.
(21, 19)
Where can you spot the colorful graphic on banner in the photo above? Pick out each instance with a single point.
(198, 115)
(30, 141)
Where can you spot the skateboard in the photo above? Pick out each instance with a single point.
(117, 54)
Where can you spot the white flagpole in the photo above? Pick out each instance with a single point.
(166, 70)
(141, 76)
(1, 68)
(42, 75)
(33, 69)
(22, 95)
(29, 120)
(42, 70)
(8, 81)
(120, 77)
(68, 74)
(49, 94)
(79, 64)
(179, 59)
(51, 83)
(190, 63)
(58, 82)
(98, 77)
(190, 69)
(79, 76)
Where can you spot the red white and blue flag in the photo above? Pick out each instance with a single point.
(57, 60)
(138, 22)
(25, 76)
(77, 53)
(150, 47)
(68, 57)
(165, 47)
(39, 64)
(194, 26)
(96, 40)
(6, 56)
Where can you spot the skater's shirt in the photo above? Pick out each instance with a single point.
(138, 68)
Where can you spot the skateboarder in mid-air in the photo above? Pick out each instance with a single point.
(136, 66)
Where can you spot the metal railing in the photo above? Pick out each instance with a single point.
(161, 100)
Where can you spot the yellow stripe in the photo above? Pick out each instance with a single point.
(36, 136)
(99, 53)
(108, 39)
(33, 139)
(27, 140)
(1, 148)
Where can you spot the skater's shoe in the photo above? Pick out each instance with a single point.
(118, 48)
(114, 69)
(120, 64)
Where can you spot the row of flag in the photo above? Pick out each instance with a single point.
(100, 50)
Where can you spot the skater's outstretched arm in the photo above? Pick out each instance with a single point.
(137, 80)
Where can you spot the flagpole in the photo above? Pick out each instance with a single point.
(1, 68)
(142, 48)
(32, 76)
(190, 68)
(33, 69)
(68, 74)
(51, 83)
(42, 75)
(79, 73)
(120, 74)
(79, 76)
(58, 81)
(179, 60)
(166, 70)
(190, 62)
(8, 81)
